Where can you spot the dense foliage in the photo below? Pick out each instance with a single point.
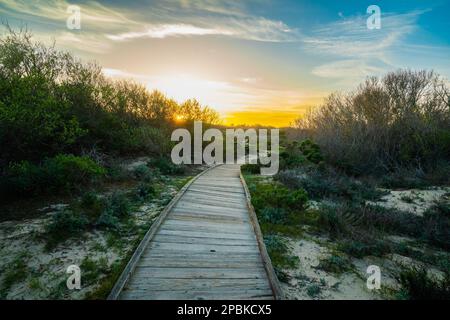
(52, 104)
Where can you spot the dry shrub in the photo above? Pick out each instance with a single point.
(400, 120)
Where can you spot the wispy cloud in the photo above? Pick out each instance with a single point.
(169, 30)
(162, 20)
(358, 51)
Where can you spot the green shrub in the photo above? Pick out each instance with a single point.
(14, 272)
(273, 215)
(418, 285)
(108, 220)
(166, 166)
(360, 249)
(278, 196)
(68, 171)
(251, 168)
(334, 220)
(145, 191)
(61, 173)
(63, 225)
(311, 151)
(119, 205)
(328, 183)
(313, 290)
(92, 205)
(144, 173)
(335, 264)
(279, 253)
(436, 225)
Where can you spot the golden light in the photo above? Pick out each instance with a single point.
(179, 118)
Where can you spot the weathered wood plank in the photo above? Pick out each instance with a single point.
(198, 295)
(162, 284)
(199, 234)
(200, 273)
(203, 240)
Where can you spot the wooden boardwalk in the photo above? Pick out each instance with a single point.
(206, 245)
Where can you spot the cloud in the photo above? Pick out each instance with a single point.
(162, 20)
(359, 51)
(169, 30)
(248, 28)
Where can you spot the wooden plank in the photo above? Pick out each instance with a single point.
(212, 208)
(192, 263)
(209, 217)
(175, 225)
(203, 240)
(209, 213)
(211, 256)
(199, 234)
(239, 205)
(200, 273)
(187, 247)
(198, 295)
(212, 225)
(162, 284)
(219, 189)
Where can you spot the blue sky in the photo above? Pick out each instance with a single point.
(254, 61)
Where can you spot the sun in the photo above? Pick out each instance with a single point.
(179, 118)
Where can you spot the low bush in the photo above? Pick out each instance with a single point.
(366, 246)
(325, 182)
(119, 205)
(61, 173)
(145, 174)
(63, 225)
(335, 264)
(436, 225)
(277, 196)
(166, 166)
(279, 253)
(273, 215)
(145, 191)
(251, 168)
(417, 284)
(311, 151)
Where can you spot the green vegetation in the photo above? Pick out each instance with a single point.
(14, 272)
(61, 118)
(63, 172)
(313, 290)
(418, 284)
(279, 252)
(392, 133)
(335, 264)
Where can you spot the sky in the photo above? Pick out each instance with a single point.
(256, 62)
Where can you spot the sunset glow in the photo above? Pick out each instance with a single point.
(254, 64)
